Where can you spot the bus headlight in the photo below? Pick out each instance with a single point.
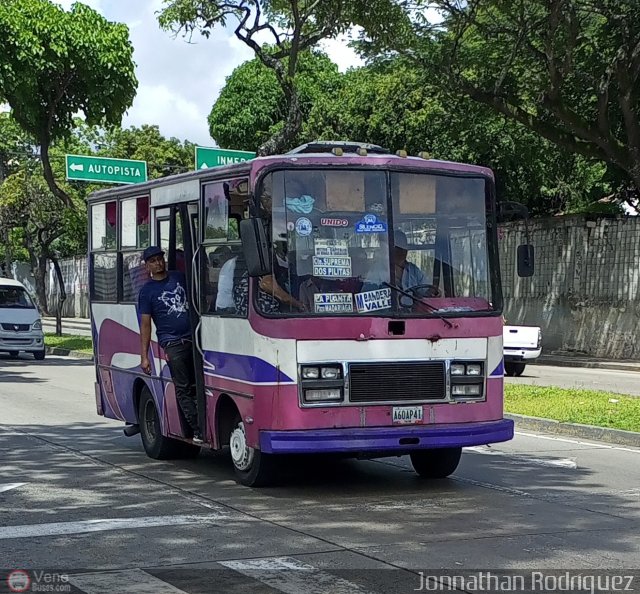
(322, 394)
(457, 369)
(330, 372)
(310, 373)
(474, 369)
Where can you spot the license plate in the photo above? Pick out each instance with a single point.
(407, 414)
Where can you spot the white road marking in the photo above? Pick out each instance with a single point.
(9, 486)
(525, 459)
(291, 576)
(129, 581)
(590, 444)
(84, 526)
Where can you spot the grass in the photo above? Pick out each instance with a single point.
(70, 342)
(587, 407)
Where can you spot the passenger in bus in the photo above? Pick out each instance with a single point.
(271, 296)
(163, 299)
(216, 261)
(407, 274)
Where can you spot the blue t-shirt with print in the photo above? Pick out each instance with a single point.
(166, 302)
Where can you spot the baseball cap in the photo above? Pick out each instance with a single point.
(152, 251)
(400, 239)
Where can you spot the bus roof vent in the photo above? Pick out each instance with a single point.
(347, 146)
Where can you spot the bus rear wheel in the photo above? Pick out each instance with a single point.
(436, 463)
(252, 467)
(155, 444)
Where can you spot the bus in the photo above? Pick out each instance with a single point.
(343, 299)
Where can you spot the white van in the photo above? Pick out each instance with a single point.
(20, 323)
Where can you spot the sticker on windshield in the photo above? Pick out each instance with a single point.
(304, 227)
(333, 302)
(370, 223)
(334, 222)
(330, 267)
(331, 247)
(373, 300)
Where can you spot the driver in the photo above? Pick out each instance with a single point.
(407, 274)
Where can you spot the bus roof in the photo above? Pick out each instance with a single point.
(299, 159)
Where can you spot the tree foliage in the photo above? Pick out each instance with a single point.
(397, 105)
(164, 156)
(54, 64)
(252, 107)
(293, 27)
(566, 69)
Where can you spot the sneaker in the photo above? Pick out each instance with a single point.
(197, 438)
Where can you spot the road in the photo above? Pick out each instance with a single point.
(78, 497)
(620, 382)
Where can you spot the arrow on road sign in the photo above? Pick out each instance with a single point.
(76, 167)
(204, 166)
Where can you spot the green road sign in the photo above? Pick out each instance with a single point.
(106, 171)
(216, 157)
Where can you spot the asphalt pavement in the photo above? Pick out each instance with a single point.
(79, 498)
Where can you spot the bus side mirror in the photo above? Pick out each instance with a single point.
(526, 260)
(255, 247)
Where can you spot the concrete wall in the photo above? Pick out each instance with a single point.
(75, 274)
(584, 294)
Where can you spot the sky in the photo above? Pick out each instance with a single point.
(178, 82)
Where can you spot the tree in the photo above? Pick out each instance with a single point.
(54, 64)
(164, 156)
(252, 107)
(294, 26)
(29, 209)
(566, 69)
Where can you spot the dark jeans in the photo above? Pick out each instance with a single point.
(183, 375)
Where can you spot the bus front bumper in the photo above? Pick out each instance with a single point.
(394, 440)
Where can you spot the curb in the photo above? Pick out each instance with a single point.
(617, 436)
(574, 362)
(68, 353)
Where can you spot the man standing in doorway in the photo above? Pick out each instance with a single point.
(163, 299)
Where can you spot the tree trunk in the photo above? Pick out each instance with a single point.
(39, 268)
(62, 294)
(284, 139)
(8, 256)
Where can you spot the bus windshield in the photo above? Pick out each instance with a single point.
(376, 242)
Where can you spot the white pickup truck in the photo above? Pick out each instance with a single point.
(522, 344)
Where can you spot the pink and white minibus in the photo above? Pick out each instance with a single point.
(343, 300)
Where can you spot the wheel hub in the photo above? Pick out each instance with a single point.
(241, 453)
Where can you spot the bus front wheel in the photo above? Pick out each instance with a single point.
(436, 463)
(155, 444)
(251, 466)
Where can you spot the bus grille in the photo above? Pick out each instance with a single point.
(388, 382)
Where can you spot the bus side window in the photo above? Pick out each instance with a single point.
(224, 203)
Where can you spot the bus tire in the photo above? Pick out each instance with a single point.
(252, 468)
(436, 463)
(155, 444)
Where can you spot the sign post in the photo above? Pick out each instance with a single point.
(216, 157)
(105, 170)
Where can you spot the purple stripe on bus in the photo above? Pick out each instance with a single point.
(498, 371)
(244, 367)
(392, 439)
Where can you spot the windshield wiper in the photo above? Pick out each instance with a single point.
(420, 300)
